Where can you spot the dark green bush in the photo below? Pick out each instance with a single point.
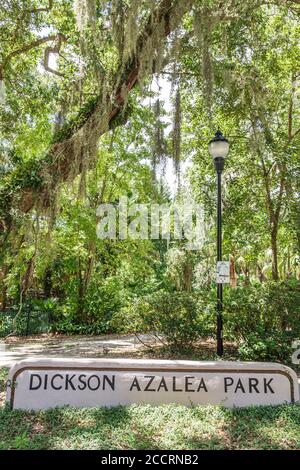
(35, 317)
(263, 319)
(173, 315)
(95, 312)
(273, 347)
(264, 309)
(71, 327)
(6, 323)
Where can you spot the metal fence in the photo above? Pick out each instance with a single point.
(29, 322)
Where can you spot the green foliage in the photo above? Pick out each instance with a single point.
(6, 323)
(265, 308)
(74, 123)
(264, 319)
(241, 74)
(35, 317)
(258, 346)
(3, 378)
(173, 315)
(101, 302)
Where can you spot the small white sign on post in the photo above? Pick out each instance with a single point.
(47, 383)
(223, 272)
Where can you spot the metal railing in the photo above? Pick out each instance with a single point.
(29, 322)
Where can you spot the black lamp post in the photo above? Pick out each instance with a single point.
(218, 149)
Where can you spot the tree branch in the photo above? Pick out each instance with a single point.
(295, 133)
(279, 199)
(38, 10)
(53, 50)
(25, 12)
(60, 159)
(27, 47)
(291, 108)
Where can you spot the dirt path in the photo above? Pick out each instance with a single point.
(16, 349)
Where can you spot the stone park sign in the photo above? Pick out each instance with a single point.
(47, 383)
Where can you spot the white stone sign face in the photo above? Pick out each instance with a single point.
(223, 272)
(48, 383)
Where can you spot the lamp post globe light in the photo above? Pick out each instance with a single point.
(218, 149)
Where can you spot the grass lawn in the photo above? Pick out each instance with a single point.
(145, 427)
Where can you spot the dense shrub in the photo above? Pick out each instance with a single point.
(71, 327)
(273, 347)
(264, 319)
(6, 323)
(264, 309)
(36, 316)
(93, 315)
(128, 319)
(173, 315)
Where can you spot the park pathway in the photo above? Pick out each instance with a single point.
(62, 346)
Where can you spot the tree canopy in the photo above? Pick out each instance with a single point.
(82, 124)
